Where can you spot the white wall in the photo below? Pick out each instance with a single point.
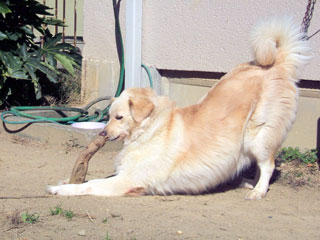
(201, 35)
(213, 35)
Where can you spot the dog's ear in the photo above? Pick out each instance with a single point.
(140, 108)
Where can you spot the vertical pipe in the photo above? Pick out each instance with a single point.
(56, 14)
(42, 39)
(75, 24)
(133, 43)
(64, 20)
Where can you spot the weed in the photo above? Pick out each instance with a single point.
(59, 211)
(68, 214)
(294, 154)
(108, 237)
(105, 220)
(29, 218)
(310, 156)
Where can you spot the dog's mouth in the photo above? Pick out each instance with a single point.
(114, 139)
(109, 138)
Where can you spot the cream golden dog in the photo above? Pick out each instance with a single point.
(243, 119)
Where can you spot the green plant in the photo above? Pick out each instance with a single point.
(58, 210)
(68, 214)
(294, 154)
(108, 237)
(24, 64)
(310, 156)
(29, 218)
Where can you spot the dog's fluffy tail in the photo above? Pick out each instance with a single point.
(279, 41)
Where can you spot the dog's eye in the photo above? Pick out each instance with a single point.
(119, 117)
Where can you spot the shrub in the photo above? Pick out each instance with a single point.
(25, 66)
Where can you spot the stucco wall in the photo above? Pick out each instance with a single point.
(197, 35)
(214, 35)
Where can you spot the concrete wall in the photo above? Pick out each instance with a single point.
(194, 36)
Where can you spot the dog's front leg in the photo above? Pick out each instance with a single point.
(111, 187)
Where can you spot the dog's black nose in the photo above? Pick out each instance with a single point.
(103, 133)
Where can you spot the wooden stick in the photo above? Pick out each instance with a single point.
(80, 168)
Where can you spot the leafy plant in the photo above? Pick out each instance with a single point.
(294, 154)
(68, 214)
(108, 237)
(23, 62)
(310, 156)
(59, 211)
(29, 218)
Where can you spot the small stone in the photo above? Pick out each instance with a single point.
(115, 215)
(82, 232)
(179, 232)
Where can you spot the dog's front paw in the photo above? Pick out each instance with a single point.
(65, 181)
(65, 190)
(255, 195)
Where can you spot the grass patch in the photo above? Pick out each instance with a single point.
(298, 168)
(108, 237)
(68, 214)
(58, 210)
(65, 92)
(290, 154)
(29, 218)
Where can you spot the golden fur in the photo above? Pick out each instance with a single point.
(243, 119)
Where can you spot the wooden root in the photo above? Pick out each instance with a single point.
(80, 167)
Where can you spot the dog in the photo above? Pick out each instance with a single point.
(243, 119)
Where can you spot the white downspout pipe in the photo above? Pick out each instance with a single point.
(133, 43)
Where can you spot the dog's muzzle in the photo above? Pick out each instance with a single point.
(103, 133)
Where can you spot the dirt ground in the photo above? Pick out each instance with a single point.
(290, 211)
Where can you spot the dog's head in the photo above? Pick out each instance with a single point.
(128, 111)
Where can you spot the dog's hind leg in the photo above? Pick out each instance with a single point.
(264, 173)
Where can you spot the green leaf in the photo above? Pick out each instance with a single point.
(35, 64)
(14, 36)
(17, 74)
(27, 30)
(54, 22)
(3, 36)
(52, 41)
(4, 9)
(66, 62)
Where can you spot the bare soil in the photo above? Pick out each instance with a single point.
(291, 209)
